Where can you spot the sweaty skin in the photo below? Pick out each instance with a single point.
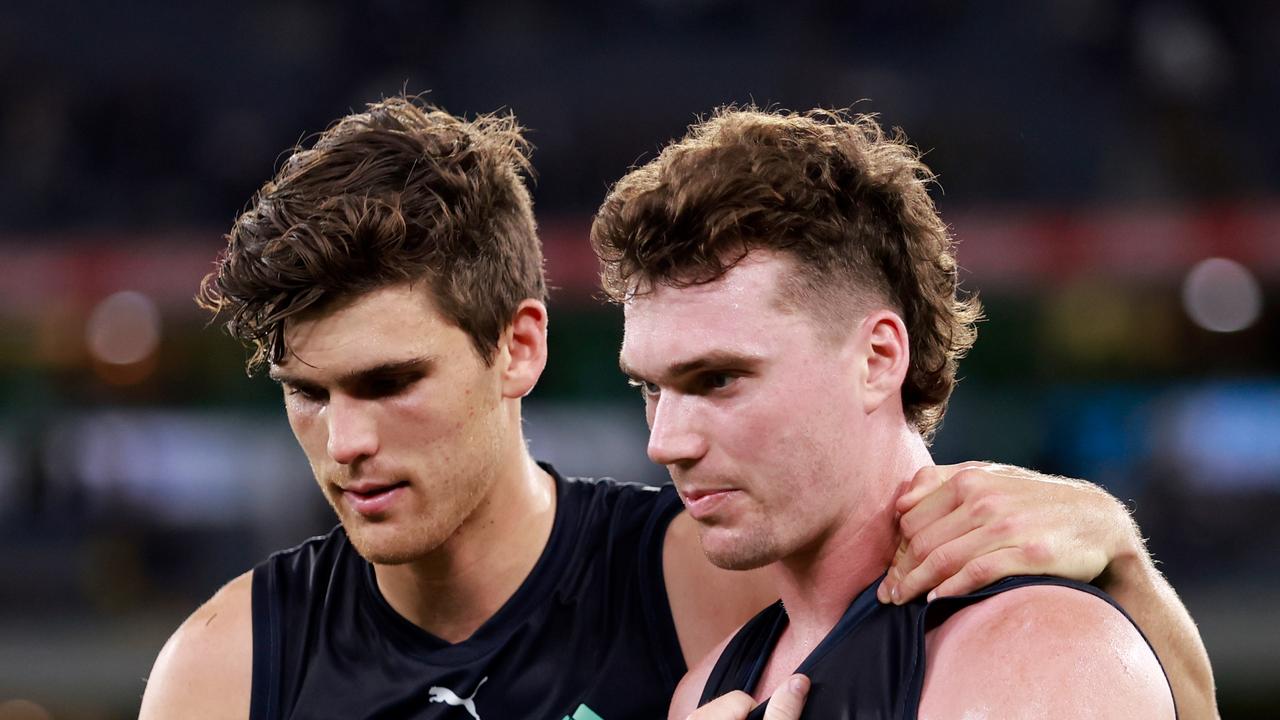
(964, 526)
(815, 502)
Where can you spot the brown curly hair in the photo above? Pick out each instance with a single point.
(832, 190)
(401, 192)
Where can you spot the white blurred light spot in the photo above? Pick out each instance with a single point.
(1221, 295)
(23, 710)
(124, 328)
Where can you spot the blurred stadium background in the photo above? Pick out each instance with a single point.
(1111, 168)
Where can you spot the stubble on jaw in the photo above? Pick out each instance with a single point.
(748, 551)
(413, 534)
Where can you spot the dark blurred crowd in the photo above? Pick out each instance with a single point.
(154, 114)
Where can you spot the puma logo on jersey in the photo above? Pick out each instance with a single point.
(445, 695)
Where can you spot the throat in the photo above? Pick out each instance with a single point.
(792, 649)
(457, 588)
(817, 589)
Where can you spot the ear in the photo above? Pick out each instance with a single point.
(523, 349)
(888, 355)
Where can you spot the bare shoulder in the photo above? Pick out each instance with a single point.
(1042, 651)
(689, 691)
(707, 602)
(205, 670)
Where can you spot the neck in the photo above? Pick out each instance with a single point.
(454, 589)
(817, 584)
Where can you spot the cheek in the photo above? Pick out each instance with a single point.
(786, 443)
(307, 427)
(769, 425)
(447, 410)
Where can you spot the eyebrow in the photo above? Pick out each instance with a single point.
(715, 360)
(422, 363)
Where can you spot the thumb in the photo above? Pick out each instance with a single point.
(787, 701)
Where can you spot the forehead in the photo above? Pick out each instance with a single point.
(384, 325)
(738, 313)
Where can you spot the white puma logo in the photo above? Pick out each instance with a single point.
(449, 697)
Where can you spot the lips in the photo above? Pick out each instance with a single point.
(702, 503)
(371, 499)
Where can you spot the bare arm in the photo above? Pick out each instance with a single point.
(965, 526)
(205, 670)
(1043, 652)
(1133, 580)
(685, 700)
(707, 603)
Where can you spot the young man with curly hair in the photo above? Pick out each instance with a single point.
(794, 323)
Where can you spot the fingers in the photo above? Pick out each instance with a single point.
(965, 564)
(935, 552)
(965, 526)
(787, 701)
(929, 479)
(730, 706)
(940, 500)
(983, 571)
(967, 485)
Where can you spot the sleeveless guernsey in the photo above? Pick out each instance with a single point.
(587, 636)
(871, 665)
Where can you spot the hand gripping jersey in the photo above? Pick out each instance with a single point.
(870, 666)
(587, 636)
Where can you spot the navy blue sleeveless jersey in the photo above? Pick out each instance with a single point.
(870, 666)
(587, 636)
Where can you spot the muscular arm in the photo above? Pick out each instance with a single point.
(689, 691)
(204, 671)
(1041, 652)
(965, 526)
(1133, 580)
(707, 603)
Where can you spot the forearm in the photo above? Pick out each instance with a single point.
(1133, 580)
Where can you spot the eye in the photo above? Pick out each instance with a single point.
(716, 380)
(306, 394)
(386, 386)
(647, 389)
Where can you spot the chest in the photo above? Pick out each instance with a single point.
(787, 656)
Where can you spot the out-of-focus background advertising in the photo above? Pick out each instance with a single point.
(1111, 169)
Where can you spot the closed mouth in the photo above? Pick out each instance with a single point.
(367, 491)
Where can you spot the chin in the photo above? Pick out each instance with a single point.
(388, 545)
(732, 551)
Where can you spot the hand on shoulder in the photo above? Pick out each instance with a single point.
(1042, 651)
(965, 526)
(205, 670)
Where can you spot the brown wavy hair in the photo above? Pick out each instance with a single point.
(401, 192)
(848, 202)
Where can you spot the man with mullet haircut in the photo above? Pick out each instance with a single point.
(793, 321)
(389, 277)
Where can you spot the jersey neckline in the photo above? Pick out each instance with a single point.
(861, 607)
(536, 587)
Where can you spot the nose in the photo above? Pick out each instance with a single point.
(674, 438)
(353, 431)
